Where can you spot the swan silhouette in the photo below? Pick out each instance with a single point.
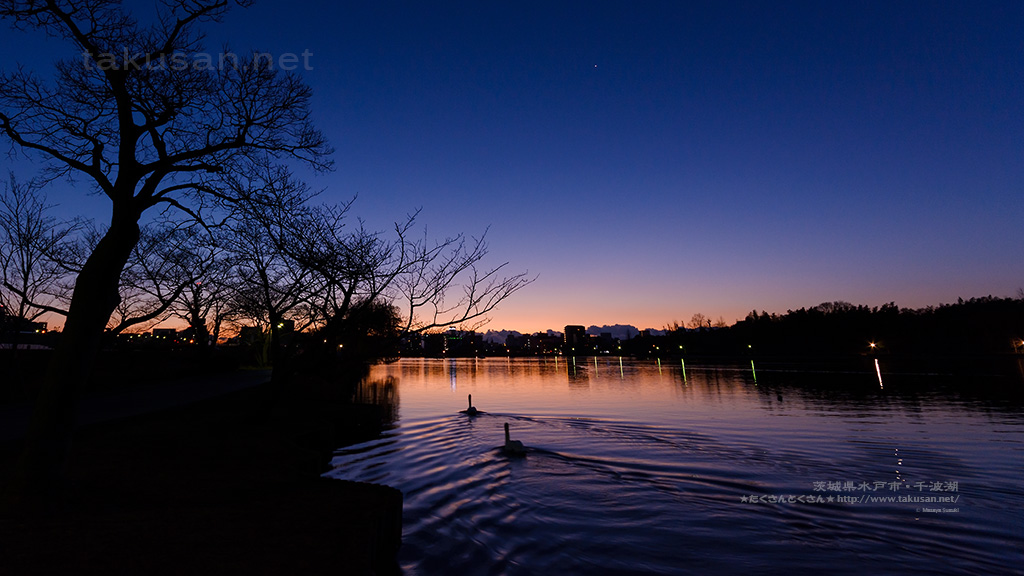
(471, 411)
(512, 447)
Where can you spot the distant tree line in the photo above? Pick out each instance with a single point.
(979, 326)
(985, 325)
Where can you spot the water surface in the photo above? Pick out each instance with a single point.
(645, 467)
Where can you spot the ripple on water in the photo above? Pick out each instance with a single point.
(612, 496)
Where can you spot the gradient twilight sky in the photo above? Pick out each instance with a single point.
(651, 160)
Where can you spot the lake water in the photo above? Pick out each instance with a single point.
(651, 467)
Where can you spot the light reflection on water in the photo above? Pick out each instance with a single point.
(640, 467)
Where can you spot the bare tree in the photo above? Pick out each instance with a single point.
(177, 269)
(142, 133)
(163, 265)
(268, 286)
(32, 249)
(446, 284)
(353, 278)
(204, 301)
(429, 285)
(698, 321)
(432, 284)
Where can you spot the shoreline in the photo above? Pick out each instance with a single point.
(225, 485)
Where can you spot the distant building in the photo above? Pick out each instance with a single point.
(169, 333)
(542, 343)
(452, 343)
(250, 334)
(434, 344)
(574, 340)
(35, 327)
(11, 323)
(411, 345)
(517, 342)
(606, 343)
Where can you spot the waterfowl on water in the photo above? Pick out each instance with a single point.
(512, 446)
(471, 411)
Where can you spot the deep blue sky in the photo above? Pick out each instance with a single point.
(651, 160)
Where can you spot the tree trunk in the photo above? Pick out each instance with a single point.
(215, 336)
(200, 334)
(53, 421)
(278, 368)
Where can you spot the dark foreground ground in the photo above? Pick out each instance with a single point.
(224, 486)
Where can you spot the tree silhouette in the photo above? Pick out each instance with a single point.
(698, 321)
(144, 134)
(167, 261)
(204, 301)
(33, 248)
(268, 286)
(301, 262)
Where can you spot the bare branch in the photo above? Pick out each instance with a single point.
(31, 246)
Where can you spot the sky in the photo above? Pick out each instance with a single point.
(647, 161)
